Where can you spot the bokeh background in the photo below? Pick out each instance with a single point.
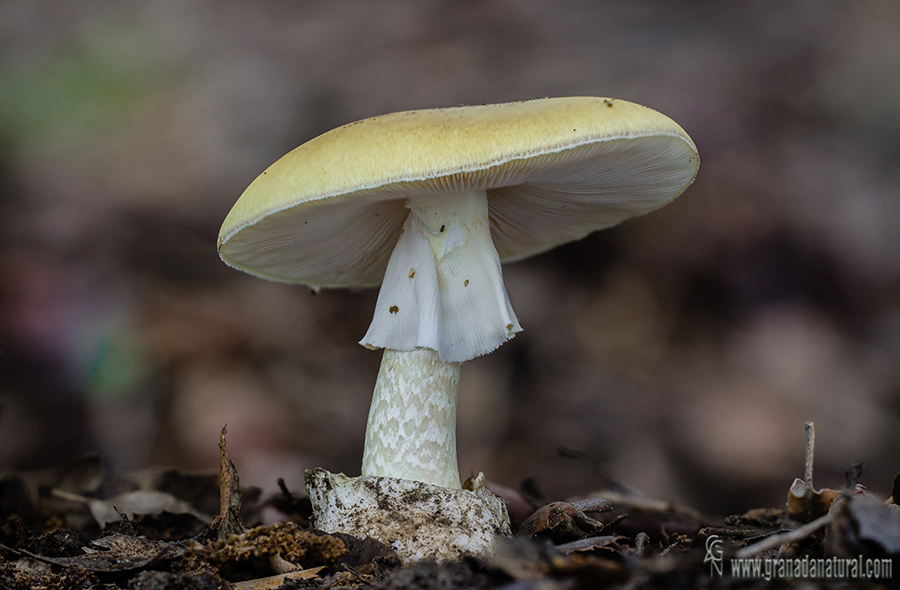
(684, 349)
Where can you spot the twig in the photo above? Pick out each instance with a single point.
(810, 453)
(229, 520)
(779, 540)
(647, 504)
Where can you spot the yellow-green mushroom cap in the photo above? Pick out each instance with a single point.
(329, 213)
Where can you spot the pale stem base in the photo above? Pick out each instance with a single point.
(419, 521)
(411, 433)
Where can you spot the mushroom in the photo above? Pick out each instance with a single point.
(428, 204)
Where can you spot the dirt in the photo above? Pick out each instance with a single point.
(56, 538)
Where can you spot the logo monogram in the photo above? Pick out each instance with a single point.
(714, 555)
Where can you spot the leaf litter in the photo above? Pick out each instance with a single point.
(82, 527)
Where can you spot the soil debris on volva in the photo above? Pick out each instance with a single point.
(58, 532)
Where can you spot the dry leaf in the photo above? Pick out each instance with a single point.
(566, 520)
(115, 553)
(276, 581)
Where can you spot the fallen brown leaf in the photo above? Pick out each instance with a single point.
(276, 581)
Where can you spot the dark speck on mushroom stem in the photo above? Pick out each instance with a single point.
(394, 309)
(442, 228)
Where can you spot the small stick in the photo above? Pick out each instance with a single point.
(229, 520)
(810, 452)
(779, 540)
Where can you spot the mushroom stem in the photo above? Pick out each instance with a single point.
(411, 433)
(442, 302)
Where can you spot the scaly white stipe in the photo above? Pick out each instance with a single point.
(442, 302)
(411, 432)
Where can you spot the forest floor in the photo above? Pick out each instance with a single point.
(79, 526)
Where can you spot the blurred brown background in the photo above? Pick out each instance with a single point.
(685, 349)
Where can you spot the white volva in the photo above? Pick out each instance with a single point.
(442, 302)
